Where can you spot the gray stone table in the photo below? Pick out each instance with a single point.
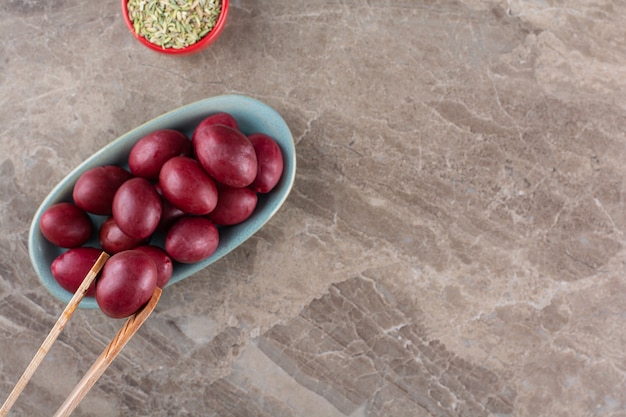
(454, 244)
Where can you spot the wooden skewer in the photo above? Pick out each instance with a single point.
(108, 355)
(54, 333)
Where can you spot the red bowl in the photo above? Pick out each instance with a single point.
(191, 49)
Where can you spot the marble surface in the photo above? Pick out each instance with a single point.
(453, 246)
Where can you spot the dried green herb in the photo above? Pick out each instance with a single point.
(173, 23)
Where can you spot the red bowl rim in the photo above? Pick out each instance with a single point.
(191, 49)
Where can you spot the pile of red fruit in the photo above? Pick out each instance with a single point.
(180, 188)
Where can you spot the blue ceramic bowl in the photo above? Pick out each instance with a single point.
(251, 115)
